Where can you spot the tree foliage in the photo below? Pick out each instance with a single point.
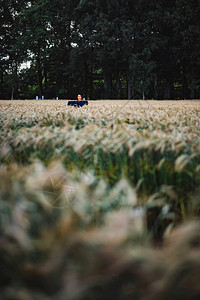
(100, 48)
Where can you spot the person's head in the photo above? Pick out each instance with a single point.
(79, 98)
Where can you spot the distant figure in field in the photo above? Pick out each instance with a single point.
(79, 98)
(78, 103)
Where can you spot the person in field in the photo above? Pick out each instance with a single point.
(79, 98)
(78, 103)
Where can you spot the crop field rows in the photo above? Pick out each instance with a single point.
(104, 185)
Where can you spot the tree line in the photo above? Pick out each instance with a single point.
(112, 49)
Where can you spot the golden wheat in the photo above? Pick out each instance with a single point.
(86, 195)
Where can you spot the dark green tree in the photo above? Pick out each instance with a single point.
(100, 48)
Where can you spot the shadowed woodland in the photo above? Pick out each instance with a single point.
(100, 48)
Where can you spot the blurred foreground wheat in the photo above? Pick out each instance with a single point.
(92, 200)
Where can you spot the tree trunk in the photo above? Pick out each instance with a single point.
(107, 84)
(130, 91)
(185, 89)
(91, 89)
(1, 83)
(86, 80)
(56, 84)
(167, 92)
(45, 80)
(156, 87)
(12, 93)
(39, 69)
(118, 85)
(184, 85)
(17, 83)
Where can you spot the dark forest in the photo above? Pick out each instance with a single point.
(103, 49)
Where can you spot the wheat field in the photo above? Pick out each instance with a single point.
(101, 201)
